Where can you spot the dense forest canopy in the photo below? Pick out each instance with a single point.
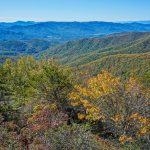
(44, 105)
(74, 85)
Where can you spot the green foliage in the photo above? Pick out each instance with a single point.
(23, 84)
(88, 50)
(121, 54)
(53, 84)
(123, 65)
(16, 48)
(38, 98)
(29, 80)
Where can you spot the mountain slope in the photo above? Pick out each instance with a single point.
(87, 50)
(122, 65)
(28, 47)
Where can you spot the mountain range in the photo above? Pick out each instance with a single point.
(118, 47)
(122, 54)
(65, 31)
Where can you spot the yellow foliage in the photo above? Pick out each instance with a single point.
(95, 87)
(145, 130)
(134, 116)
(143, 120)
(144, 124)
(81, 116)
(50, 106)
(117, 118)
(124, 138)
(102, 84)
(38, 107)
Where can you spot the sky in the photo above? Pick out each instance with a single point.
(74, 10)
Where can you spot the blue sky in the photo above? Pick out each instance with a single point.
(74, 10)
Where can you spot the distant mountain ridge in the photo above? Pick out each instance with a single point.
(19, 23)
(143, 22)
(66, 31)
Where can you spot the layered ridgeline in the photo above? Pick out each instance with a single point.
(43, 107)
(63, 31)
(112, 51)
(19, 38)
(121, 53)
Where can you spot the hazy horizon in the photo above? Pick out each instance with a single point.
(126, 21)
(74, 10)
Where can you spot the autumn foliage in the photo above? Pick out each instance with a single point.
(122, 106)
(42, 108)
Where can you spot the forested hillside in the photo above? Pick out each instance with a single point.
(123, 65)
(122, 54)
(85, 94)
(44, 106)
(74, 75)
(28, 47)
(86, 50)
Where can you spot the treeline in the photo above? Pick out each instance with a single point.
(46, 106)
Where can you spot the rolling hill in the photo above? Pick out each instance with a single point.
(122, 54)
(92, 45)
(86, 50)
